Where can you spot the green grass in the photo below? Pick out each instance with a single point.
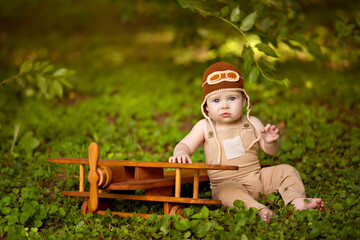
(137, 105)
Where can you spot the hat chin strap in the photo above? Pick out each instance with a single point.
(248, 109)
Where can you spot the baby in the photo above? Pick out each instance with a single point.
(232, 139)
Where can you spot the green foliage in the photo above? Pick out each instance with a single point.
(322, 148)
(266, 49)
(248, 22)
(41, 79)
(266, 25)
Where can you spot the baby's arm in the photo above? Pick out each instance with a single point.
(187, 146)
(269, 136)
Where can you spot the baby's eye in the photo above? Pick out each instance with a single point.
(232, 98)
(216, 100)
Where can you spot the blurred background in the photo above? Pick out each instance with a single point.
(100, 35)
(127, 74)
(141, 60)
(113, 71)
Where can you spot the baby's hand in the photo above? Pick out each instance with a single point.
(180, 159)
(270, 133)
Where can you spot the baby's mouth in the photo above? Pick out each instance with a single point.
(225, 115)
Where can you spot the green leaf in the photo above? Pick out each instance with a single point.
(273, 224)
(165, 223)
(205, 212)
(38, 223)
(239, 203)
(242, 222)
(314, 49)
(298, 37)
(53, 209)
(253, 76)
(188, 212)
(42, 84)
(338, 207)
(197, 215)
(24, 217)
(6, 200)
(60, 72)
(5, 210)
(243, 237)
(40, 66)
(265, 24)
(235, 14)
(183, 224)
(357, 20)
(315, 230)
(66, 83)
(13, 219)
(350, 201)
(272, 197)
(310, 142)
(285, 82)
(47, 69)
(247, 52)
(202, 228)
(292, 45)
(42, 213)
(16, 134)
(357, 39)
(62, 212)
(248, 22)
(286, 145)
(186, 4)
(107, 213)
(164, 229)
(284, 32)
(26, 67)
(225, 11)
(204, 13)
(266, 49)
(58, 89)
(247, 65)
(28, 141)
(152, 218)
(30, 207)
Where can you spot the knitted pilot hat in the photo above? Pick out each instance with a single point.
(223, 76)
(218, 77)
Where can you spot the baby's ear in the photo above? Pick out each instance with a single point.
(243, 102)
(244, 97)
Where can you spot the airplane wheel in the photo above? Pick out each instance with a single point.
(178, 209)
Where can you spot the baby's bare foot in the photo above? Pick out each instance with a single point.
(307, 203)
(265, 215)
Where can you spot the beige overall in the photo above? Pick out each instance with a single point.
(246, 183)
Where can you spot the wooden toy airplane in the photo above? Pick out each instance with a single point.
(112, 179)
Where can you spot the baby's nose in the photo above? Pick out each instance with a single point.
(225, 106)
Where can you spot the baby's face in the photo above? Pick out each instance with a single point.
(225, 107)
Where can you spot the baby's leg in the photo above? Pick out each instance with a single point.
(286, 180)
(228, 192)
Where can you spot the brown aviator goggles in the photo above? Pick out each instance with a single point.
(220, 76)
